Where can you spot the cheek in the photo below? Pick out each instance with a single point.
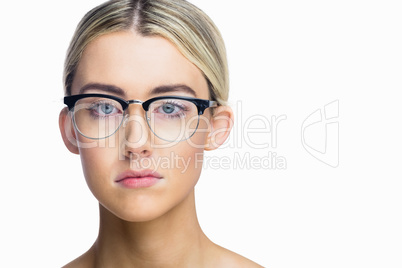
(188, 154)
(97, 164)
(186, 161)
(198, 141)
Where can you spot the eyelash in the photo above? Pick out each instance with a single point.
(175, 104)
(95, 106)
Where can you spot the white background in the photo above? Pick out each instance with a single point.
(286, 58)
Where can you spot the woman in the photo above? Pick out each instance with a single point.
(146, 86)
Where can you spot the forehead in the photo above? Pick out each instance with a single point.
(137, 64)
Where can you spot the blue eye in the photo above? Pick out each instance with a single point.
(168, 108)
(101, 109)
(106, 108)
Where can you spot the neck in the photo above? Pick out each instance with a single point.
(174, 239)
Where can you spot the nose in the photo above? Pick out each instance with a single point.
(137, 135)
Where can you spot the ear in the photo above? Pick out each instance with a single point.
(221, 125)
(67, 131)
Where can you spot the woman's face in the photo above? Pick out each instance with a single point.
(138, 65)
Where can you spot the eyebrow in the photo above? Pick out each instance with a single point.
(173, 88)
(155, 91)
(103, 87)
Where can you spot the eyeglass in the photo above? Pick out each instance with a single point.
(171, 118)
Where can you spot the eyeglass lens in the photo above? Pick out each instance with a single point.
(169, 119)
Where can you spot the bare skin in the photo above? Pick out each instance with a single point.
(155, 226)
(169, 241)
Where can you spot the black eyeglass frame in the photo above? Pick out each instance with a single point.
(201, 105)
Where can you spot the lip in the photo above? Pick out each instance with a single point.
(134, 179)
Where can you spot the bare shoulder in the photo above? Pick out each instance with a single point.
(227, 258)
(83, 261)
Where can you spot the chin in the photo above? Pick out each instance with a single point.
(141, 213)
(138, 217)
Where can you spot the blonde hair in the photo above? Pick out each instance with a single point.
(186, 26)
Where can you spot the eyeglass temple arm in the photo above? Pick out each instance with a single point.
(209, 104)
